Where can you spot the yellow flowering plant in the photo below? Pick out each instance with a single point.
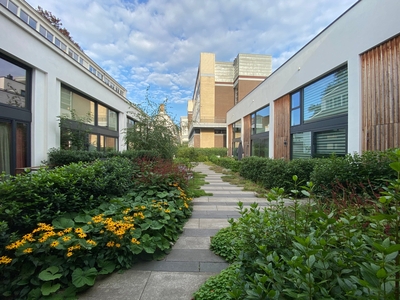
(65, 256)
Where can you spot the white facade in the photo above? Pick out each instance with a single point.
(55, 62)
(365, 25)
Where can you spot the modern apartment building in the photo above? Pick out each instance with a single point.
(43, 75)
(219, 86)
(338, 94)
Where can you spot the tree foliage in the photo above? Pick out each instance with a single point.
(153, 129)
(74, 131)
(56, 22)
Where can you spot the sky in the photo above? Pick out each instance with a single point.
(152, 47)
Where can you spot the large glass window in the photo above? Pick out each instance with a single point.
(260, 147)
(75, 106)
(15, 115)
(329, 142)
(237, 130)
(5, 147)
(12, 84)
(260, 121)
(326, 97)
(301, 145)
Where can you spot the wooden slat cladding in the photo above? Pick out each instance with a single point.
(282, 127)
(380, 96)
(247, 135)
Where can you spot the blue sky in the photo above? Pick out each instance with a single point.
(156, 44)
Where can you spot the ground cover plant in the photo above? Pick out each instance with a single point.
(61, 257)
(313, 250)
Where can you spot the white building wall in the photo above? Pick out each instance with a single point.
(365, 25)
(51, 67)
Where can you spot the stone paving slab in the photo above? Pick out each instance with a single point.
(172, 286)
(199, 232)
(215, 214)
(206, 223)
(119, 286)
(168, 266)
(202, 255)
(192, 243)
(213, 267)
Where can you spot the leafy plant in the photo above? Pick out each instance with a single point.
(153, 130)
(217, 287)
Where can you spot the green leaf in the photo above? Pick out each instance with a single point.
(48, 289)
(381, 273)
(34, 294)
(310, 261)
(395, 166)
(393, 248)
(145, 225)
(136, 249)
(62, 223)
(50, 274)
(149, 248)
(391, 256)
(83, 219)
(305, 193)
(107, 267)
(156, 225)
(84, 277)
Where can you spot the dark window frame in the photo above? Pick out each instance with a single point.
(14, 115)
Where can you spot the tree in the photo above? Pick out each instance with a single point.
(74, 133)
(56, 22)
(153, 129)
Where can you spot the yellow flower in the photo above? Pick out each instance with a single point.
(91, 242)
(60, 233)
(82, 235)
(4, 260)
(78, 230)
(70, 249)
(15, 245)
(167, 211)
(28, 250)
(69, 254)
(67, 230)
(54, 244)
(110, 244)
(28, 237)
(66, 238)
(117, 245)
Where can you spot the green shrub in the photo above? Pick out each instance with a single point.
(251, 167)
(62, 258)
(361, 174)
(226, 162)
(61, 157)
(40, 196)
(217, 287)
(200, 154)
(226, 243)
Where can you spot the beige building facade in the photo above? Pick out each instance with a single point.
(219, 86)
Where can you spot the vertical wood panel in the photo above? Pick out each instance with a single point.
(246, 135)
(282, 127)
(380, 77)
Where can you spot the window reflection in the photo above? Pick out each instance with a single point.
(12, 84)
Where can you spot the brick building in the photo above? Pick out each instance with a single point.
(219, 86)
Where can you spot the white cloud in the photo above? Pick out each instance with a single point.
(157, 43)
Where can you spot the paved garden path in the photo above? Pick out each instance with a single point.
(190, 262)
